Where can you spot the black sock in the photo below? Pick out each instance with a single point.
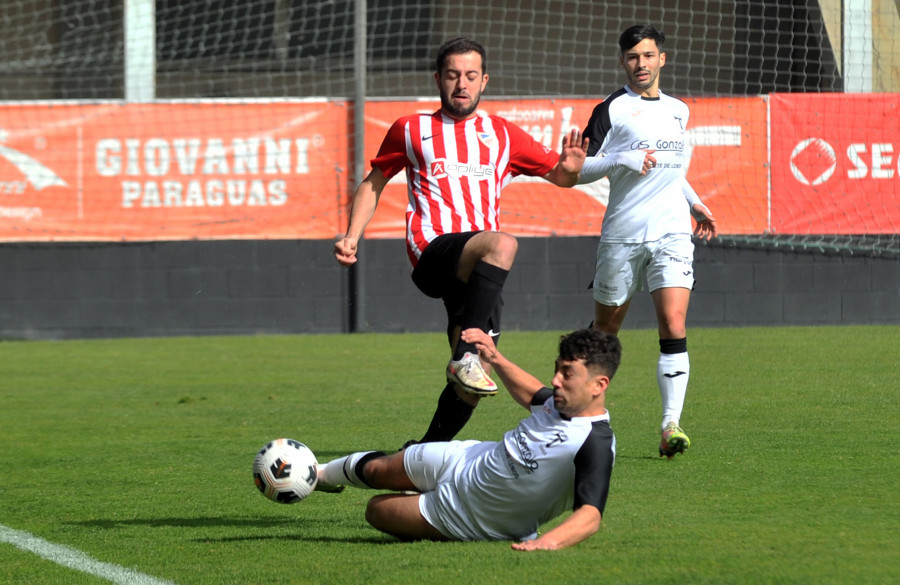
(673, 345)
(449, 418)
(482, 294)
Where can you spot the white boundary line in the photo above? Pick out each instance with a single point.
(74, 559)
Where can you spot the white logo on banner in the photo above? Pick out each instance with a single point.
(817, 148)
(36, 173)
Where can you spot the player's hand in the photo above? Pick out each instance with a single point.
(706, 224)
(535, 544)
(649, 162)
(345, 251)
(483, 342)
(574, 151)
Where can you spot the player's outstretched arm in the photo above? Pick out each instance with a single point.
(365, 201)
(520, 384)
(571, 159)
(599, 166)
(584, 522)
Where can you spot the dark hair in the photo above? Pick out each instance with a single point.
(597, 350)
(458, 46)
(637, 33)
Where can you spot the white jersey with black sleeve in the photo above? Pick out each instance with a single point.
(546, 465)
(642, 208)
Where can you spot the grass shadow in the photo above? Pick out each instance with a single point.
(310, 531)
(386, 540)
(262, 521)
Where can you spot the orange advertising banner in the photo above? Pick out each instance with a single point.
(727, 150)
(835, 163)
(117, 171)
(239, 170)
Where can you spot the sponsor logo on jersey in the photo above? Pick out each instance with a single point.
(664, 145)
(442, 168)
(673, 145)
(528, 460)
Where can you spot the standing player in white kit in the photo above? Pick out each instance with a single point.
(637, 138)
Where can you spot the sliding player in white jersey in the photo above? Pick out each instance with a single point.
(637, 138)
(456, 162)
(558, 459)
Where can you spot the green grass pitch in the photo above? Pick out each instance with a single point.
(138, 453)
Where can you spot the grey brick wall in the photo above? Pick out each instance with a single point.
(84, 290)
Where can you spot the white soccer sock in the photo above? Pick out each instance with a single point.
(342, 471)
(672, 373)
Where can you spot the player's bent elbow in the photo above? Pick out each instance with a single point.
(591, 528)
(581, 525)
(591, 519)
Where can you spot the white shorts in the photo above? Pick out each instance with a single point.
(436, 470)
(624, 269)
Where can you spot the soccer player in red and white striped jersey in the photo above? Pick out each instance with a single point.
(457, 161)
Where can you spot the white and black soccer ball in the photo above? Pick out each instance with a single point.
(285, 471)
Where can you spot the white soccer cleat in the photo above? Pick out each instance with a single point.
(470, 376)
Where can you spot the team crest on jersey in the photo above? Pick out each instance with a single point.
(558, 437)
(488, 139)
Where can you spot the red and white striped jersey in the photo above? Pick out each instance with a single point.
(455, 171)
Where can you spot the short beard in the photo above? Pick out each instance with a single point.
(458, 113)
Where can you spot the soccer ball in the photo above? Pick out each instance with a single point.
(285, 471)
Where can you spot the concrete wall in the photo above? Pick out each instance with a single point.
(85, 290)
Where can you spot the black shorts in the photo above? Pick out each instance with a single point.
(435, 272)
(435, 276)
